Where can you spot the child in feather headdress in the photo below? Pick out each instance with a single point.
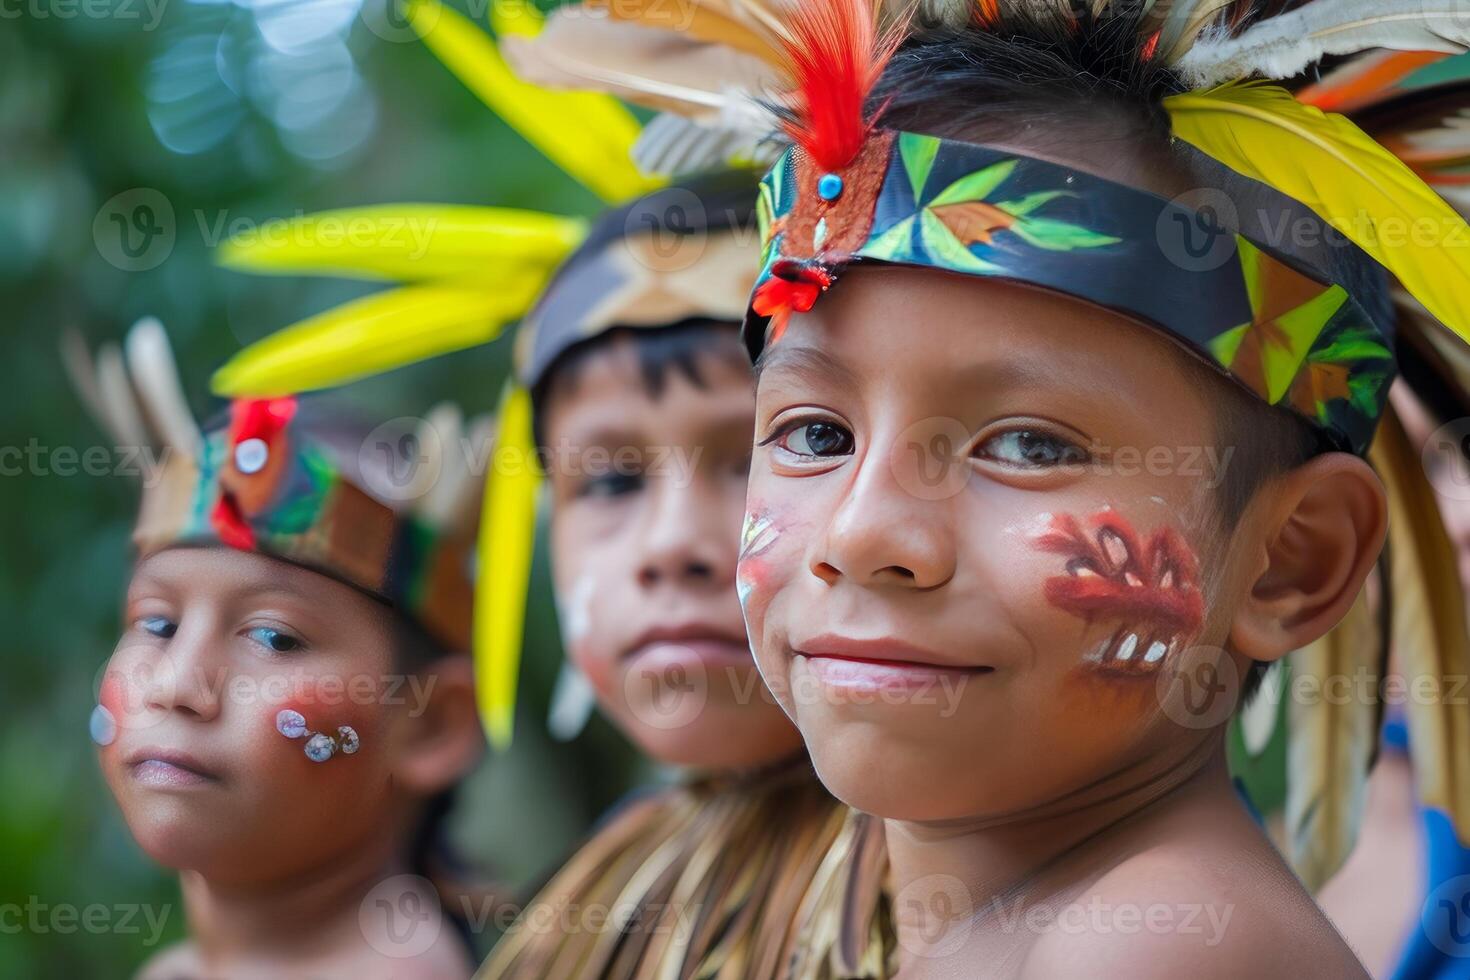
(289, 707)
(642, 410)
(1068, 373)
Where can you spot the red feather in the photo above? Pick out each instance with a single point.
(836, 58)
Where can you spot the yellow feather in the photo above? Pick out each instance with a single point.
(518, 17)
(377, 333)
(589, 135)
(1429, 634)
(1333, 735)
(1327, 163)
(405, 242)
(503, 573)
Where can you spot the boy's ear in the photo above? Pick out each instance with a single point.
(1323, 527)
(442, 735)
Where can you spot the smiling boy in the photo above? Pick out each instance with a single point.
(976, 304)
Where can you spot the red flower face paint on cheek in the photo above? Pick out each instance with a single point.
(1148, 590)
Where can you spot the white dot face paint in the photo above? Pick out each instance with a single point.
(102, 726)
(291, 724)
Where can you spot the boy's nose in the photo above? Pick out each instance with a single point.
(181, 678)
(688, 539)
(881, 534)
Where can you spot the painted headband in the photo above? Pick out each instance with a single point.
(1292, 337)
(263, 484)
(673, 255)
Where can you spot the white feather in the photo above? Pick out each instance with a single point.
(120, 404)
(1286, 45)
(671, 144)
(156, 378)
(1182, 22)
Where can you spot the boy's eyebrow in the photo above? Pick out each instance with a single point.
(811, 363)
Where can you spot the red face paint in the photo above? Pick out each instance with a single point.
(1149, 590)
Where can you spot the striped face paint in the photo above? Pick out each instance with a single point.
(1147, 590)
(758, 534)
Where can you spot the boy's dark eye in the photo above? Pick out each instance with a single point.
(610, 485)
(273, 639)
(817, 439)
(158, 626)
(1030, 449)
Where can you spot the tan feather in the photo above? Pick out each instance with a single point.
(81, 371)
(659, 69)
(1429, 632)
(724, 873)
(719, 24)
(1333, 734)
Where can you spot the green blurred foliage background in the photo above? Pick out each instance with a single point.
(231, 113)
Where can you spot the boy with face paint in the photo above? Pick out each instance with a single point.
(290, 703)
(992, 569)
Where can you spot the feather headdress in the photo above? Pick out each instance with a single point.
(266, 480)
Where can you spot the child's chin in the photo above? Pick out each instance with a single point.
(893, 779)
(726, 736)
(178, 838)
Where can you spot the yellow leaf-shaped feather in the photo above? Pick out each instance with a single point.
(519, 17)
(374, 334)
(1327, 163)
(503, 572)
(589, 135)
(406, 242)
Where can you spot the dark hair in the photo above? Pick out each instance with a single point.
(661, 352)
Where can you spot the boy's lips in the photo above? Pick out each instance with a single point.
(692, 641)
(163, 768)
(884, 663)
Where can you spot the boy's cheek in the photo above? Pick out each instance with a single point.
(770, 549)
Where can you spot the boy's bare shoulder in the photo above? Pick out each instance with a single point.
(1169, 913)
